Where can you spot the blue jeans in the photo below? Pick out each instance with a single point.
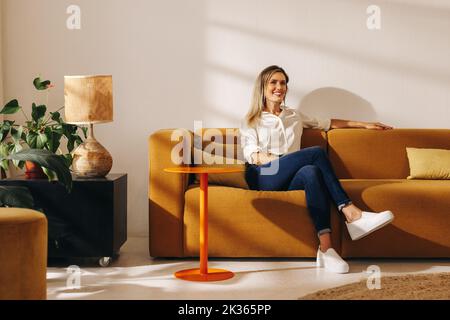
(308, 169)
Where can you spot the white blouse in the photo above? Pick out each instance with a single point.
(280, 134)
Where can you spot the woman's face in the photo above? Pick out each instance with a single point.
(276, 88)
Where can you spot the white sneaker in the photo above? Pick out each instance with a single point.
(368, 223)
(331, 261)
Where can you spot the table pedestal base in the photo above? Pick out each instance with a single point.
(212, 275)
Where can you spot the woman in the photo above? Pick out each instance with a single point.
(270, 139)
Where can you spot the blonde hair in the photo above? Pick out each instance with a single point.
(258, 99)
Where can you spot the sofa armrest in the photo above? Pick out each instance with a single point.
(166, 196)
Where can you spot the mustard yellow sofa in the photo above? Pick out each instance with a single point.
(23, 254)
(372, 167)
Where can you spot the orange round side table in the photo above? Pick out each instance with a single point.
(204, 273)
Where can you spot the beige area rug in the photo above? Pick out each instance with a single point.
(435, 286)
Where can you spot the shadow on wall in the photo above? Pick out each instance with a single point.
(337, 103)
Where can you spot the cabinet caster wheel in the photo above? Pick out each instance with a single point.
(104, 261)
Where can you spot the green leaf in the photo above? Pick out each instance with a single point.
(85, 129)
(17, 197)
(10, 147)
(3, 133)
(41, 85)
(4, 150)
(69, 129)
(74, 140)
(49, 160)
(58, 129)
(38, 112)
(41, 140)
(4, 153)
(31, 139)
(70, 144)
(4, 164)
(7, 124)
(49, 173)
(5, 129)
(56, 116)
(53, 139)
(78, 140)
(17, 134)
(68, 159)
(11, 107)
(17, 163)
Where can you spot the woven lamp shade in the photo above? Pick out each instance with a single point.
(88, 99)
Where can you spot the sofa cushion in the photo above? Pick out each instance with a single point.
(428, 163)
(219, 147)
(246, 223)
(234, 179)
(375, 154)
(422, 218)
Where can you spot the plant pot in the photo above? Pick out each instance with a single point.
(34, 171)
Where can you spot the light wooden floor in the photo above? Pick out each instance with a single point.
(134, 275)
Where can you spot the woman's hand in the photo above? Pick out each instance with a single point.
(376, 126)
(260, 158)
(339, 123)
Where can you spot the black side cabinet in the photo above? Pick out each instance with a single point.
(89, 222)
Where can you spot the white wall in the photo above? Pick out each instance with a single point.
(177, 61)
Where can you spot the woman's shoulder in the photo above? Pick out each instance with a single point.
(295, 112)
(291, 111)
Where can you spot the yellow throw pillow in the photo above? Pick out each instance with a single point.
(235, 179)
(428, 163)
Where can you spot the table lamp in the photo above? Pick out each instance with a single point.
(88, 100)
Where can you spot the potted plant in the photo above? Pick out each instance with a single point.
(20, 197)
(40, 131)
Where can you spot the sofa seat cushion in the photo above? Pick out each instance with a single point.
(246, 223)
(422, 218)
